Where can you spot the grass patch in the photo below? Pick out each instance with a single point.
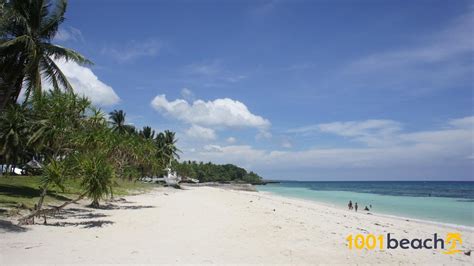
(24, 191)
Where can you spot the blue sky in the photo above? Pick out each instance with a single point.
(307, 90)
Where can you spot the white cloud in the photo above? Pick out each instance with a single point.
(212, 71)
(187, 94)
(85, 82)
(208, 68)
(372, 132)
(434, 150)
(263, 134)
(465, 122)
(361, 128)
(231, 140)
(68, 34)
(218, 113)
(201, 133)
(133, 50)
(212, 148)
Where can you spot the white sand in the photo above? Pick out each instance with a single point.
(210, 225)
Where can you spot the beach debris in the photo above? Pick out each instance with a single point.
(274, 210)
(467, 253)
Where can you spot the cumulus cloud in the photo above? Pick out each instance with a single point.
(218, 113)
(434, 150)
(201, 133)
(85, 82)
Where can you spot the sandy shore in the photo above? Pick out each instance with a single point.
(210, 225)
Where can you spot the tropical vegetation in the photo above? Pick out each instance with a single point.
(73, 140)
(58, 135)
(27, 56)
(209, 172)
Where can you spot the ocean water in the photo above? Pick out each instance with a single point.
(444, 202)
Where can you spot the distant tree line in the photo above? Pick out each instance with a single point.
(209, 172)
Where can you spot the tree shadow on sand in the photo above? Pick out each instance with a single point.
(7, 226)
(84, 224)
(117, 207)
(77, 213)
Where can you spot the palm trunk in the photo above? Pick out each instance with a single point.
(42, 196)
(38, 212)
(95, 204)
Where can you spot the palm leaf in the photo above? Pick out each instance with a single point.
(52, 19)
(58, 74)
(57, 52)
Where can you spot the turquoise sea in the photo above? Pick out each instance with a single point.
(445, 202)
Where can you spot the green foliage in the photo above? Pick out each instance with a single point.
(26, 52)
(73, 140)
(54, 173)
(25, 191)
(209, 172)
(166, 143)
(97, 176)
(55, 118)
(13, 134)
(117, 120)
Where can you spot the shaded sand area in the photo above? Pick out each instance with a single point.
(211, 225)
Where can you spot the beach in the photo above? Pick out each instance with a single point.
(211, 225)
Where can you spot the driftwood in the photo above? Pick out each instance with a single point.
(29, 219)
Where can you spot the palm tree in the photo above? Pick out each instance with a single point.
(117, 120)
(13, 134)
(56, 119)
(147, 133)
(26, 52)
(166, 144)
(97, 176)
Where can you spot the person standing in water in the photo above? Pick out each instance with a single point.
(350, 205)
(356, 207)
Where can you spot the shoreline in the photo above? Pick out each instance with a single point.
(375, 214)
(207, 225)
